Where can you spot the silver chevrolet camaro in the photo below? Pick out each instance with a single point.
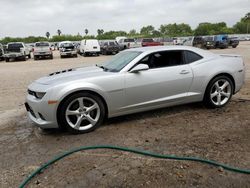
(132, 81)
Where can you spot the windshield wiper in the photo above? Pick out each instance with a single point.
(102, 67)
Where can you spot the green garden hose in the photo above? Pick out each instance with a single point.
(146, 153)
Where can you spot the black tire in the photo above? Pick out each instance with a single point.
(29, 56)
(85, 54)
(75, 55)
(64, 105)
(35, 57)
(24, 58)
(51, 57)
(7, 59)
(207, 98)
(62, 56)
(234, 46)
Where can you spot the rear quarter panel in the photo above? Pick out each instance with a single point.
(206, 70)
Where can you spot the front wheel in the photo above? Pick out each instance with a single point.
(81, 113)
(218, 92)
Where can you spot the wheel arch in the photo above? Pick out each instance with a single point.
(222, 74)
(80, 91)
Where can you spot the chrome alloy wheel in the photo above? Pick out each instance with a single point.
(82, 113)
(220, 92)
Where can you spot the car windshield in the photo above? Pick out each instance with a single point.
(40, 44)
(119, 61)
(209, 38)
(15, 46)
(148, 40)
(67, 45)
(129, 40)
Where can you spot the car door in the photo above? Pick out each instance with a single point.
(167, 81)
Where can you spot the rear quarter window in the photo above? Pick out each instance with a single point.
(191, 57)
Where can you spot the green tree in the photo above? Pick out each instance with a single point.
(132, 32)
(100, 31)
(172, 30)
(47, 34)
(243, 26)
(147, 30)
(212, 29)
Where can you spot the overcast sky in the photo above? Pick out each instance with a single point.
(34, 17)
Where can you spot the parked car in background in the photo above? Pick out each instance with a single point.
(209, 42)
(178, 41)
(148, 42)
(164, 41)
(90, 47)
(134, 80)
(42, 50)
(195, 41)
(221, 41)
(109, 47)
(128, 43)
(119, 38)
(16, 50)
(233, 41)
(1, 52)
(67, 49)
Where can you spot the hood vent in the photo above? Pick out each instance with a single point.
(59, 72)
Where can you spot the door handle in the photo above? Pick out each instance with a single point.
(184, 72)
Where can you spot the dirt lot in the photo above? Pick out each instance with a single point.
(189, 130)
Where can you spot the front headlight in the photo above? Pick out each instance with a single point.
(39, 95)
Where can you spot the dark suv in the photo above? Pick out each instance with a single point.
(209, 42)
(233, 41)
(109, 47)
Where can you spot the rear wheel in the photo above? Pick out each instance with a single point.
(29, 56)
(218, 92)
(81, 113)
(7, 59)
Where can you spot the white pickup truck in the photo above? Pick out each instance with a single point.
(42, 50)
(126, 43)
(16, 50)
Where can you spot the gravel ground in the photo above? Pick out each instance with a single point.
(187, 130)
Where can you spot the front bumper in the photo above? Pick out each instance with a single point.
(16, 55)
(40, 112)
(68, 53)
(42, 53)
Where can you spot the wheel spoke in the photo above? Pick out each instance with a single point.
(224, 85)
(217, 85)
(219, 99)
(214, 94)
(81, 105)
(91, 108)
(72, 112)
(90, 119)
(225, 94)
(78, 122)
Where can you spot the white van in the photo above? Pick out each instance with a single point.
(90, 47)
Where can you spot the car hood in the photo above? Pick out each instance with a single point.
(72, 74)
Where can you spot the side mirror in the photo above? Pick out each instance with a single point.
(139, 67)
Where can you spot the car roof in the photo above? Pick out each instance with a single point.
(153, 49)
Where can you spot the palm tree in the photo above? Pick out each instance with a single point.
(100, 31)
(247, 20)
(86, 31)
(59, 32)
(47, 34)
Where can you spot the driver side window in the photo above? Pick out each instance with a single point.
(164, 59)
